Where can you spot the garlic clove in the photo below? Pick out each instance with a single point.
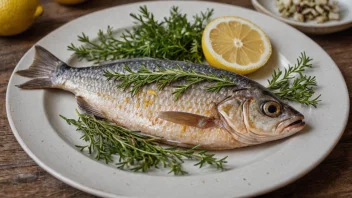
(334, 16)
(321, 2)
(321, 19)
(319, 9)
(296, 2)
(298, 17)
(287, 3)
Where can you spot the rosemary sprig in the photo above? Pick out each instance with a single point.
(136, 152)
(165, 77)
(174, 38)
(291, 84)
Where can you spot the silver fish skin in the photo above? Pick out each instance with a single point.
(244, 115)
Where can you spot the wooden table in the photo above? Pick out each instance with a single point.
(21, 177)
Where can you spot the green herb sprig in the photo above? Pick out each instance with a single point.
(174, 38)
(164, 77)
(136, 152)
(291, 84)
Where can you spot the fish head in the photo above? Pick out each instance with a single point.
(255, 116)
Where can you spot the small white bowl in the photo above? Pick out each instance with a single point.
(312, 27)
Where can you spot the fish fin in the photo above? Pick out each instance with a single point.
(38, 83)
(214, 110)
(44, 64)
(126, 60)
(83, 105)
(168, 142)
(188, 119)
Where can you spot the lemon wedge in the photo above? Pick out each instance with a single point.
(235, 44)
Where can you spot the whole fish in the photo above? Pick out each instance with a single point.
(244, 115)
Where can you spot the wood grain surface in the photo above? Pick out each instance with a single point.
(20, 176)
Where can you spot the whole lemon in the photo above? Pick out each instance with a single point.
(16, 16)
(70, 2)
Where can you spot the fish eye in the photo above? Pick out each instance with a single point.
(271, 109)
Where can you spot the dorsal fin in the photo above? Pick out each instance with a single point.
(126, 60)
(83, 105)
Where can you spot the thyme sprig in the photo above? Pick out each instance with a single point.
(291, 84)
(136, 151)
(174, 38)
(164, 77)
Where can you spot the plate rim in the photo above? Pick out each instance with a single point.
(48, 169)
(98, 192)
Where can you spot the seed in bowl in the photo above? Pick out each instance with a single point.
(307, 10)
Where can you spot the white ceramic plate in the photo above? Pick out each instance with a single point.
(268, 7)
(34, 119)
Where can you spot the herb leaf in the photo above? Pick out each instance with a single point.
(287, 85)
(164, 77)
(174, 38)
(136, 152)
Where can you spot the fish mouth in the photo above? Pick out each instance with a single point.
(294, 124)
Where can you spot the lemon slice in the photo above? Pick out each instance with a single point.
(235, 44)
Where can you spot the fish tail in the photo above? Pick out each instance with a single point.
(42, 68)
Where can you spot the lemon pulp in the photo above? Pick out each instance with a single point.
(235, 44)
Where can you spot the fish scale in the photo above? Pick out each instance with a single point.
(143, 108)
(233, 117)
